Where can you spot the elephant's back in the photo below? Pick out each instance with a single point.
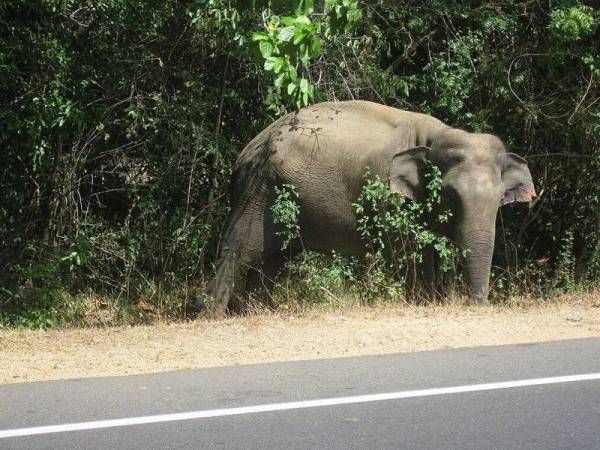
(342, 138)
(345, 125)
(325, 134)
(352, 129)
(334, 142)
(357, 119)
(335, 131)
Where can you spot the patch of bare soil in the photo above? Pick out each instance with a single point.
(56, 354)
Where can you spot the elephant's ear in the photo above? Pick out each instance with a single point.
(406, 172)
(518, 185)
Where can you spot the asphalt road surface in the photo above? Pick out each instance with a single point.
(520, 396)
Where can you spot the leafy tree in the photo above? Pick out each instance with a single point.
(120, 122)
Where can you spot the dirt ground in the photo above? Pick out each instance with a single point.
(56, 354)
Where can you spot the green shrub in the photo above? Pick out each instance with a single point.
(120, 122)
(572, 23)
(401, 230)
(564, 278)
(286, 212)
(313, 278)
(395, 233)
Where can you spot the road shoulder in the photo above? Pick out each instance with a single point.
(59, 354)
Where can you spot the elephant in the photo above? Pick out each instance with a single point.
(324, 151)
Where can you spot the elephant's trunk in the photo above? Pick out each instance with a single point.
(479, 244)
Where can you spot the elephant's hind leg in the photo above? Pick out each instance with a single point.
(262, 257)
(249, 239)
(237, 257)
(220, 289)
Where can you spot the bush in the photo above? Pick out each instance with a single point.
(121, 121)
(395, 232)
(314, 278)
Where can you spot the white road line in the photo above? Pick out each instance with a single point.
(128, 421)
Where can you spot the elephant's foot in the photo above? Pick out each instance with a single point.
(206, 306)
(214, 311)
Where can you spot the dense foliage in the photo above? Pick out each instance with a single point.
(120, 121)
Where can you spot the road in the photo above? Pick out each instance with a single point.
(486, 397)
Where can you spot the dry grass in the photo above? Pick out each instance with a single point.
(268, 336)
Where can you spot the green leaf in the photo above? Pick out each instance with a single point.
(305, 58)
(291, 88)
(303, 85)
(304, 6)
(266, 48)
(302, 20)
(287, 21)
(315, 46)
(285, 34)
(270, 62)
(279, 80)
(292, 73)
(279, 63)
(299, 35)
(354, 15)
(260, 36)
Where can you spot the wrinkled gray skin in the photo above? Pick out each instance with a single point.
(324, 151)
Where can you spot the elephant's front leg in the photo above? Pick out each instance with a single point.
(428, 268)
(249, 239)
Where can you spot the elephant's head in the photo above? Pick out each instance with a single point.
(479, 176)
